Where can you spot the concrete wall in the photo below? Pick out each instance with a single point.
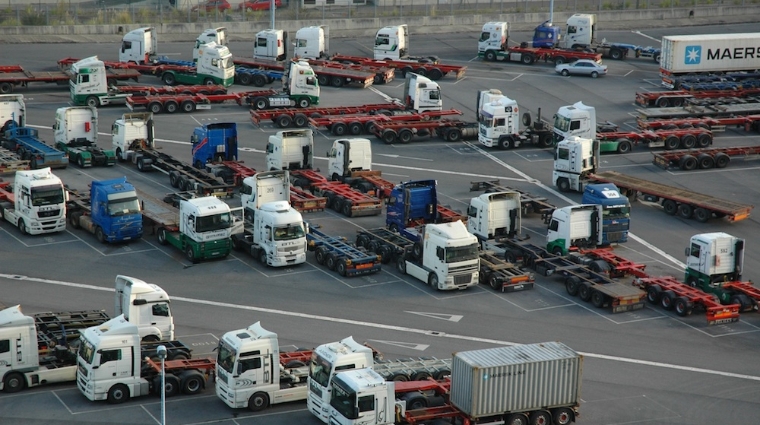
(610, 20)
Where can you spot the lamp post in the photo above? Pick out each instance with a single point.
(161, 352)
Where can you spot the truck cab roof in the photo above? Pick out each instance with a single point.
(12, 317)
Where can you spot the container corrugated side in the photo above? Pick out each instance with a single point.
(515, 379)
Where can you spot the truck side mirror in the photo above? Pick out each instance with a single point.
(687, 251)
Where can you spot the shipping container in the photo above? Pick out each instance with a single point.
(515, 379)
(710, 53)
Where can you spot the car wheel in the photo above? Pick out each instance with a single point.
(565, 73)
(594, 74)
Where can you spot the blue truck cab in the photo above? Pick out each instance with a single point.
(214, 143)
(112, 212)
(546, 35)
(412, 204)
(616, 211)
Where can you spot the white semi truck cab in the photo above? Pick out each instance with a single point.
(422, 94)
(313, 42)
(209, 35)
(271, 44)
(574, 159)
(573, 227)
(37, 203)
(347, 156)
(290, 150)
(147, 306)
(714, 257)
(132, 132)
(494, 215)
(493, 36)
(139, 46)
(392, 42)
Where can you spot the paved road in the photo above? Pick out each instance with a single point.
(644, 367)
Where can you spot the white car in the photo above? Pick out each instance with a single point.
(582, 67)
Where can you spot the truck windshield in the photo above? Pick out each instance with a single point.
(343, 399)
(616, 212)
(561, 123)
(86, 351)
(461, 253)
(213, 222)
(47, 195)
(319, 369)
(486, 122)
(124, 206)
(227, 63)
(225, 357)
(288, 233)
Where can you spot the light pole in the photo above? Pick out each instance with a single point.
(161, 352)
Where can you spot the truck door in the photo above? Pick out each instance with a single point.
(115, 363)
(697, 257)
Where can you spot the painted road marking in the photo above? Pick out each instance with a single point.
(439, 316)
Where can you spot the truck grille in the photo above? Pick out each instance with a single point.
(614, 236)
(51, 213)
(288, 249)
(462, 279)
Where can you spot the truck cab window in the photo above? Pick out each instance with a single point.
(571, 29)
(311, 81)
(694, 250)
(575, 125)
(563, 153)
(554, 225)
(366, 403)
(261, 42)
(382, 41)
(5, 345)
(126, 45)
(250, 364)
(84, 78)
(484, 36)
(161, 309)
(109, 356)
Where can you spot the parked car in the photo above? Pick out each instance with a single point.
(251, 5)
(582, 67)
(211, 5)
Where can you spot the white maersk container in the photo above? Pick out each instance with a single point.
(515, 379)
(710, 53)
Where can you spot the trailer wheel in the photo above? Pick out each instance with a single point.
(300, 120)
(405, 135)
(342, 268)
(6, 88)
(260, 103)
(304, 102)
(722, 160)
(494, 282)
(654, 293)
(355, 128)
(155, 107)
(331, 261)
(563, 416)
(99, 235)
(171, 107)
(283, 121)
(323, 80)
(258, 402)
(401, 264)
(399, 377)
(683, 306)
(346, 208)
(421, 71)
(320, 254)
(667, 299)
(584, 291)
(677, 102)
(384, 251)
(624, 146)
(672, 142)
(338, 81)
(191, 382)
(389, 136)
(662, 102)
(13, 382)
(688, 141)
(597, 299)
(540, 417)
(169, 79)
(705, 161)
(559, 60)
(563, 185)
(670, 207)
(118, 394)
(187, 106)
(190, 254)
(516, 419)
(373, 246)
(571, 285)
(362, 241)
(685, 211)
(454, 135)
(244, 78)
(704, 140)
(527, 59)
(687, 163)
(435, 74)
(259, 80)
(339, 129)
(162, 236)
(369, 127)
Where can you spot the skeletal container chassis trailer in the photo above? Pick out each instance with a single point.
(171, 103)
(15, 75)
(343, 125)
(10, 163)
(382, 75)
(531, 55)
(339, 255)
(703, 159)
(405, 131)
(694, 111)
(334, 74)
(672, 294)
(341, 197)
(502, 275)
(685, 203)
(434, 71)
(679, 98)
(286, 117)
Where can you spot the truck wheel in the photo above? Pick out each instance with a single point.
(321, 255)
(667, 299)
(495, 283)
(401, 265)
(722, 160)
(559, 60)
(13, 382)
(672, 142)
(80, 161)
(338, 81)
(346, 208)
(99, 235)
(120, 155)
(323, 80)
(6, 88)
(702, 215)
(171, 107)
(685, 211)
(653, 294)
(162, 236)
(704, 140)
(399, 377)
(92, 102)
(705, 161)
(244, 78)
(304, 102)
(563, 185)
(670, 207)
(300, 120)
(688, 141)
(283, 121)
(454, 135)
(435, 74)
(415, 402)
(584, 291)
(517, 419)
(662, 102)
(263, 258)
(187, 106)
(155, 107)
(118, 394)
(369, 127)
(417, 250)
(597, 299)
(616, 54)
(331, 261)
(490, 56)
(74, 220)
(571, 285)
(22, 227)
(362, 241)
(259, 80)
(540, 417)
(389, 136)
(191, 382)
(169, 79)
(174, 179)
(260, 103)
(258, 402)
(141, 164)
(209, 82)
(342, 267)
(355, 128)
(405, 135)
(683, 307)
(563, 416)
(190, 254)
(433, 281)
(624, 146)
(339, 129)
(506, 143)
(385, 254)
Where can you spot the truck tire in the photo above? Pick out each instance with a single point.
(668, 300)
(687, 163)
(722, 160)
(389, 136)
(559, 60)
(598, 299)
(22, 227)
(405, 135)
(435, 74)
(454, 135)
(155, 107)
(244, 78)
(141, 164)
(321, 255)
(399, 377)
(685, 211)
(415, 401)
(191, 382)
(263, 258)
(190, 254)
(169, 79)
(527, 59)
(670, 207)
(401, 264)
(331, 261)
(342, 268)
(421, 375)
(187, 106)
(571, 285)
(683, 306)
(209, 82)
(174, 179)
(616, 54)
(6, 88)
(260, 103)
(540, 417)
(171, 107)
(99, 235)
(258, 402)
(688, 141)
(705, 161)
(162, 236)
(346, 208)
(702, 215)
(118, 394)
(584, 291)
(300, 120)
(495, 283)
(563, 184)
(704, 140)
(662, 102)
(563, 416)
(304, 102)
(433, 281)
(386, 254)
(653, 294)
(283, 121)
(339, 129)
(355, 128)
(441, 373)
(491, 56)
(672, 142)
(517, 419)
(13, 382)
(74, 220)
(259, 80)
(92, 102)
(624, 146)
(323, 80)
(338, 81)
(506, 143)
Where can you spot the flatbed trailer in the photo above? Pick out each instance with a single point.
(342, 125)
(713, 125)
(256, 76)
(10, 163)
(694, 111)
(678, 98)
(448, 129)
(25, 142)
(171, 103)
(720, 81)
(530, 55)
(298, 117)
(685, 203)
(671, 294)
(15, 75)
(335, 76)
(389, 245)
(339, 196)
(431, 69)
(164, 90)
(382, 74)
(337, 254)
(529, 202)
(501, 275)
(63, 328)
(590, 282)
(703, 159)
(668, 138)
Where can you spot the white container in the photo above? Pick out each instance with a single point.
(710, 53)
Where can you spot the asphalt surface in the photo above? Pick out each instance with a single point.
(648, 366)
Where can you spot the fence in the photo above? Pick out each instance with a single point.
(110, 12)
